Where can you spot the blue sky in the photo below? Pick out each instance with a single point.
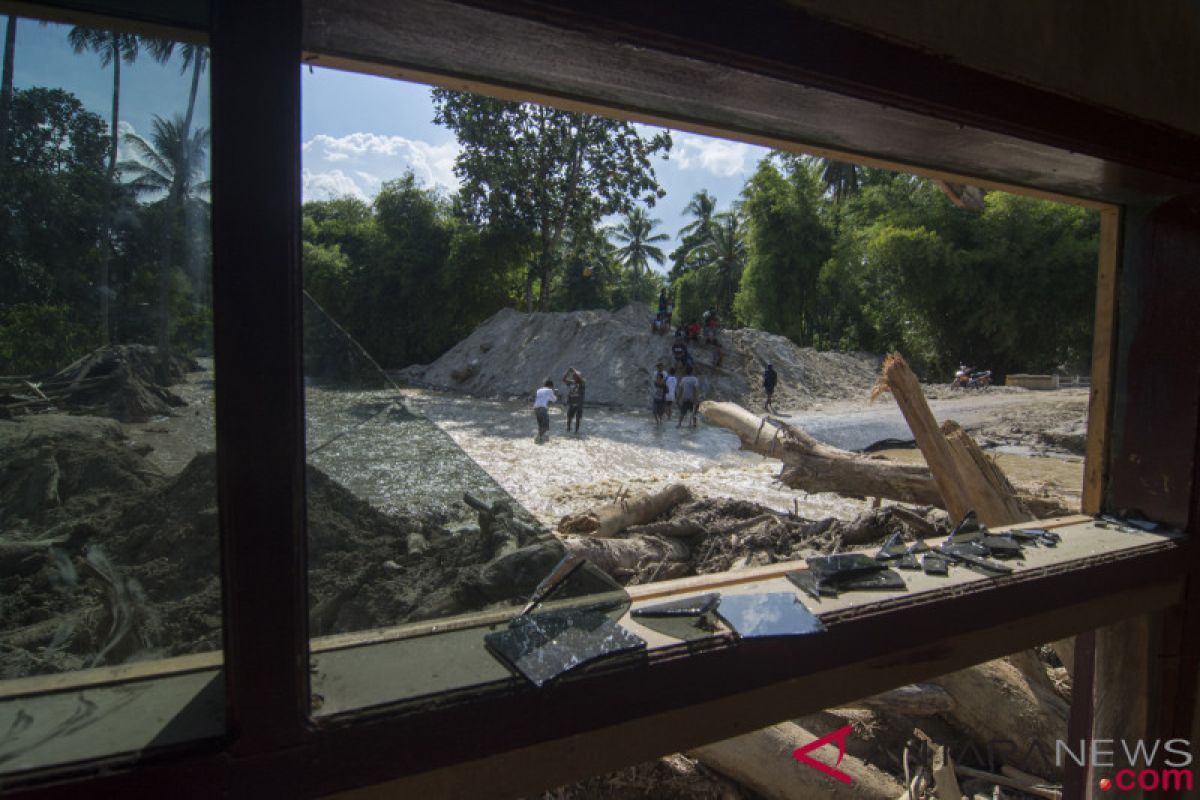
(358, 131)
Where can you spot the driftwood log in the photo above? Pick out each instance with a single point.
(810, 466)
(815, 467)
(612, 518)
(762, 761)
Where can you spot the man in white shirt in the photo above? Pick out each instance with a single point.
(689, 397)
(671, 381)
(541, 408)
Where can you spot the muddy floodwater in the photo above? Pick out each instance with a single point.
(385, 449)
(422, 449)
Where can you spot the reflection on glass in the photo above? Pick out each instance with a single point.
(108, 518)
(768, 614)
(544, 645)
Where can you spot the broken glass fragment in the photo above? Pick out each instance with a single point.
(964, 549)
(806, 582)
(1002, 546)
(830, 569)
(769, 614)
(917, 547)
(543, 645)
(935, 565)
(975, 562)
(909, 561)
(884, 580)
(688, 607)
(894, 547)
(688, 619)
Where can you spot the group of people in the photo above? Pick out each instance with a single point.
(576, 387)
(667, 388)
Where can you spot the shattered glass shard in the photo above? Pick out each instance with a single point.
(832, 569)
(964, 549)
(909, 561)
(543, 645)
(769, 614)
(1001, 546)
(975, 562)
(806, 582)
(884, 580)
(688, 607)
(894, 547)
(935, 565)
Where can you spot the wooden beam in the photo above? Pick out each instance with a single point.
(1095, 465)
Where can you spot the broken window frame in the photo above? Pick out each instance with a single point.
(680, 699)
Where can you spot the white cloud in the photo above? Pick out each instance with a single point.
(330, 185)
(722, 158)
(365, 160)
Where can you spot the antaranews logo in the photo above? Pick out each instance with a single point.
(839, 736)
(1148, 766)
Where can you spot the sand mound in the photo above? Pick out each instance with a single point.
(511, 354)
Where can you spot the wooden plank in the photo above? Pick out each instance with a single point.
(104, 676)
(1095, 465)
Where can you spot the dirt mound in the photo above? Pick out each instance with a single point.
(126, 382)
(54, 468)
(511, 354)
(125, 567)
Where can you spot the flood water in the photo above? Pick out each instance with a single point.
(426, 448)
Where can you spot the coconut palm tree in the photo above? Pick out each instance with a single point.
(637, 237)
(724, 250)
(113, 48)
(169, 166)
(193, 57)
(702, 206)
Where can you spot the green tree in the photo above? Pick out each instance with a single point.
(789, 244)
(639, 247)
(545, 172)
(724, 253)
(840, 179)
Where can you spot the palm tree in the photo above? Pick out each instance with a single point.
(113, 48)
(170, 164)
(6, 86)
(194, 57)
(840, 179)
(637, 235)
(702, 206)
(725, 250)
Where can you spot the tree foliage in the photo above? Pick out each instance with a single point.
(545, 173)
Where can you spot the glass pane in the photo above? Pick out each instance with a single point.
(108, 513)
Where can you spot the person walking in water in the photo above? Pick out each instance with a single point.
(541, 409)
(575, 390)
(659, 393)
(689, 396)
(770, 379)
(671, 382)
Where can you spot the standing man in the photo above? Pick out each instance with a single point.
(689, 397)
(659, 393)
(671, 381)
(575, 389)
(541, 409)
(770, 378)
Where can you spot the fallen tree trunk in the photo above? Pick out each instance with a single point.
(622, 556)
(914, 700)
(816, 467)
(762, 761)
(986, 484)
(613, 518)
(1019, 718)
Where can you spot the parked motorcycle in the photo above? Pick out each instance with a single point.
(967, 378)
